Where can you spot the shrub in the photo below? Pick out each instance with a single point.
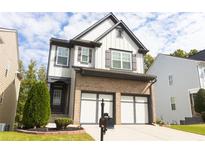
(199, 102)
(203, 116)
(37, 108)
(62, 123)
(160, 122)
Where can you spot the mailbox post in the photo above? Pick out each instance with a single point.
(103, 121)
(102, 117)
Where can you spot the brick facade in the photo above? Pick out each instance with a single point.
(100, 84)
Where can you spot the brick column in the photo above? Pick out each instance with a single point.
(77, 107)
(118, 108)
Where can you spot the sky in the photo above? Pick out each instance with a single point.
(159, 32)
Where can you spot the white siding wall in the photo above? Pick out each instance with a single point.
(112, 41)
(55, 70)
(201, 70)
(97, 31)
(185, 77)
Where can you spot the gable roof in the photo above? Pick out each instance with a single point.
(199, 56)
(142, 48)
(110, 15)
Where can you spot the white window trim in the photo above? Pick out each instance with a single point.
(81, 58)
(62, 56)
(121, 52)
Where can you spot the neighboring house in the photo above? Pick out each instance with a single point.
(198, 56)
(103, 62)
(9, 76)
(178, 80)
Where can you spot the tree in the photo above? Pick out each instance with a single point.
(37, 108)
(199, 102)
(31, 73)
(148, 60)
(192, 52)
(22, 97)
(26, 84)
(179, 53)
(42, 73)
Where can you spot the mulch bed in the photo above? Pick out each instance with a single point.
(68, 130)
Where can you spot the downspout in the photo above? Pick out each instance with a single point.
(152, 120)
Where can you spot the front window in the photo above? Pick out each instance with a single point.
(121, 60)
(170, 80)
(62, 56)
(85, 55)
(173, 103)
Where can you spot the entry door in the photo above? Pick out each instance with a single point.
(57, 99)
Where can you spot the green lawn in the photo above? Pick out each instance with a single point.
(16, 136)
(197, 128)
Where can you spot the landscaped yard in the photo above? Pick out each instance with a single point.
(197, 128)
(16, 136)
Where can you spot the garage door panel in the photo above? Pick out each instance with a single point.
(89, 96)
(91, 107)
(127, 113)
(106, 97)
(141, 113)
(127, 98)
(141, 99)
(88, 112)
(134, 109)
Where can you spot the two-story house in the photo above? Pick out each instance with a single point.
(103, 62)
(178, 80)
(9, 77)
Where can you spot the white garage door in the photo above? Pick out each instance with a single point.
(134, 110)
(91, 107)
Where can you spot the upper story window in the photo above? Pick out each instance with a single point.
(62, 56)
(85, 55)
(121, 60)
(173, 103)
(170, 80)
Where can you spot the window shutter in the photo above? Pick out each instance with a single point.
(107, 58)
(90, 55)
(134, 62)
(79, 53)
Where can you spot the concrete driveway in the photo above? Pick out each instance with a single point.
(142, 132)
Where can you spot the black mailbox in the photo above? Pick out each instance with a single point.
(109, 121)
(103, 123)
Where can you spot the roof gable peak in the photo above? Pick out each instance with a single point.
(109, 15)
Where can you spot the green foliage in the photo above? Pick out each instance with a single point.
(179, 53)
(148, 60)
(26, 84)
(160, 122)
(37, 108)
(192, 52)
(203, 115)
(62, 123)
(42, 73)
(199, 102)
(22, 97)
(183, 54)
(30, 77)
